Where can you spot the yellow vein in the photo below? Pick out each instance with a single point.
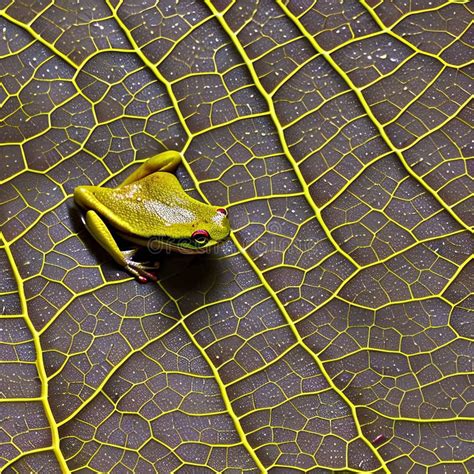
(368, 110)
(418, 420)
(39, 38)
(316, 359)
(279, 129)
(387, 31)
(431, 132)
(416, 98)
(117, 367)
(114, 368)
(39, 363)
(23, 455)
(146, 61)
(226, 400)
(432, 8)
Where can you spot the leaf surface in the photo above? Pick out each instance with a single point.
(332, 331)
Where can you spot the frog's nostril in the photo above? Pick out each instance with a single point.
(221, 210)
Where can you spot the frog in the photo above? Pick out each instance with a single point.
(151, 210)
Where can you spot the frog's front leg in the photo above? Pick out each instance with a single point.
(104, 237)
(167, 161)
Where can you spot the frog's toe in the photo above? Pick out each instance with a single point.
(150, 265)
(139, 269)
(140, 273)
(129, 257)
(147, 277)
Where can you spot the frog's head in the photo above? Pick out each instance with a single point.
(209, 227)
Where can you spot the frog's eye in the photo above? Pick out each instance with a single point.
(200, 237)
(221, 210)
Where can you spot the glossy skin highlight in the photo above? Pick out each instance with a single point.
(151, 209)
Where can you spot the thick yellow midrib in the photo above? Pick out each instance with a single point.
(148, 63)
(317, 212)
(55, 440)
(220, 18)
(399, 153)
(226, 400)
(219, 382)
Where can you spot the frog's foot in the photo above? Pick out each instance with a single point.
(140, 269)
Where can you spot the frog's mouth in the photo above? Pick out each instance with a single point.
(184, 246)
(168, 244)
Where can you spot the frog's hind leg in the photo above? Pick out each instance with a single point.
(101, 233)
(167, 161)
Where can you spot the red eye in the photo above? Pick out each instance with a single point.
(221, 210)
(200, 237)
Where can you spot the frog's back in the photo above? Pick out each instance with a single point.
(154, 205)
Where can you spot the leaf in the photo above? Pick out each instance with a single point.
(332, 331)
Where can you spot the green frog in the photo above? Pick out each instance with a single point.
(151, 209)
